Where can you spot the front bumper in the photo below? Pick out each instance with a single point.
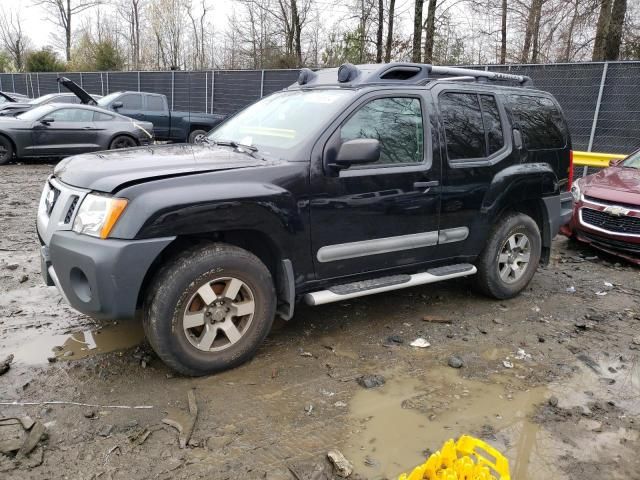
(100, 278)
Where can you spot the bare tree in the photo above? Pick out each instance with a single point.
(602, 27)
(392, 12)
(13, 38)
(614, 34)
(417, 31)
(503, 32)
(131, 13)
(61, 13)
(430, 31)
(380, 31)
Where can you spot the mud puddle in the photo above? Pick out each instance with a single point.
(398, 423)
(41, 347)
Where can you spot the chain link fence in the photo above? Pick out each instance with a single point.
(601, 100)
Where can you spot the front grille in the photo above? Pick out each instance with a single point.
(609, 202)
(624, 224)
(72, 208)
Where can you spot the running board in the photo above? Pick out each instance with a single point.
(386, 284)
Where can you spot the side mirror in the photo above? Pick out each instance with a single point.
(357, 152)
(615, 161)
(117, 105)
(47, 121)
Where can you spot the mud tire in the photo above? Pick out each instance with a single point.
(176, 282)
(488, 280)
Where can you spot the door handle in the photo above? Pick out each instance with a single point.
(427, 185)
(87, 128)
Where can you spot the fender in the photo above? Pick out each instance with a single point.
(203, 205)
(527, 181)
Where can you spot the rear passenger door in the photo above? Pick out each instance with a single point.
(157, 112)
(476, 145)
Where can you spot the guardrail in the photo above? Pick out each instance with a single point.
(586, 163)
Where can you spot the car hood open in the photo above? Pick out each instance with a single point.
(76, 89)
(109, 171)
(614, 184)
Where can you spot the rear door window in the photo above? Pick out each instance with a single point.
(155, 103)
(540, 122)
(131, 102)
(473, 126)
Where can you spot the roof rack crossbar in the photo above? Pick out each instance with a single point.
(478, 74)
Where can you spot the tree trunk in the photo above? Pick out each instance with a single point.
(392, 8)
(296, 28)
(567, 49)
(614, 35)
(535, 49)
(68, 31)
(430, 31)
(417, 31)
(503, 34)
(528, 34)
(380, 31)
(601, 30)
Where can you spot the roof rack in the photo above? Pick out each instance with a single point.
(401, 73)
(481, 75)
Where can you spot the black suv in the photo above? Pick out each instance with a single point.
(354, 181)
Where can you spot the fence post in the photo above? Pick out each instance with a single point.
(38, 83)
(81, 82)
(101, 85)
(213, 86)
(262, 84)
(13, 82)
(206, 92)
(57, 82)
(138, 80)
(1, 84)
(173, 86)
(107, 83)
(594, 124)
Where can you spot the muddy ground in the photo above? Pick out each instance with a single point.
(550, 378)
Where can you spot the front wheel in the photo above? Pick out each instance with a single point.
(6, 150)
(196, 136)
(510, 258)
(209, 309)
(122, 141)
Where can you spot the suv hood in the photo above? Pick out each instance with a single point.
(106, 171)
(615, 184)
(76, 89)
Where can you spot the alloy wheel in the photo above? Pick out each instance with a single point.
(219, 314)
(514, 257)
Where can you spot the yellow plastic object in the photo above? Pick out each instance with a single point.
(465, 459)
(595, 159)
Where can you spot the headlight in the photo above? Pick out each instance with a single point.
(575, 191)
(98, 214)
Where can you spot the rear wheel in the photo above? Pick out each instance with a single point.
(510, 258)
(6, 150)
(196, 136)
(122, 141)
(209, 309)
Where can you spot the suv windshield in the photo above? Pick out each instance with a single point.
(282, 121)
(632, 161)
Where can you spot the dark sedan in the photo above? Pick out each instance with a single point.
(23, 104)
(59, 130)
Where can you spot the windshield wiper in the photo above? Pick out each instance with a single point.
(241, 147)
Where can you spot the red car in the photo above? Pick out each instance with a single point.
(606, 210)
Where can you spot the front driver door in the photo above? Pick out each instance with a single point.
(382, 215)
(72, 131)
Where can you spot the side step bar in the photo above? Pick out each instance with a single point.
(386, 284)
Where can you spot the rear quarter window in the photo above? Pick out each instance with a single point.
(540, 122)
